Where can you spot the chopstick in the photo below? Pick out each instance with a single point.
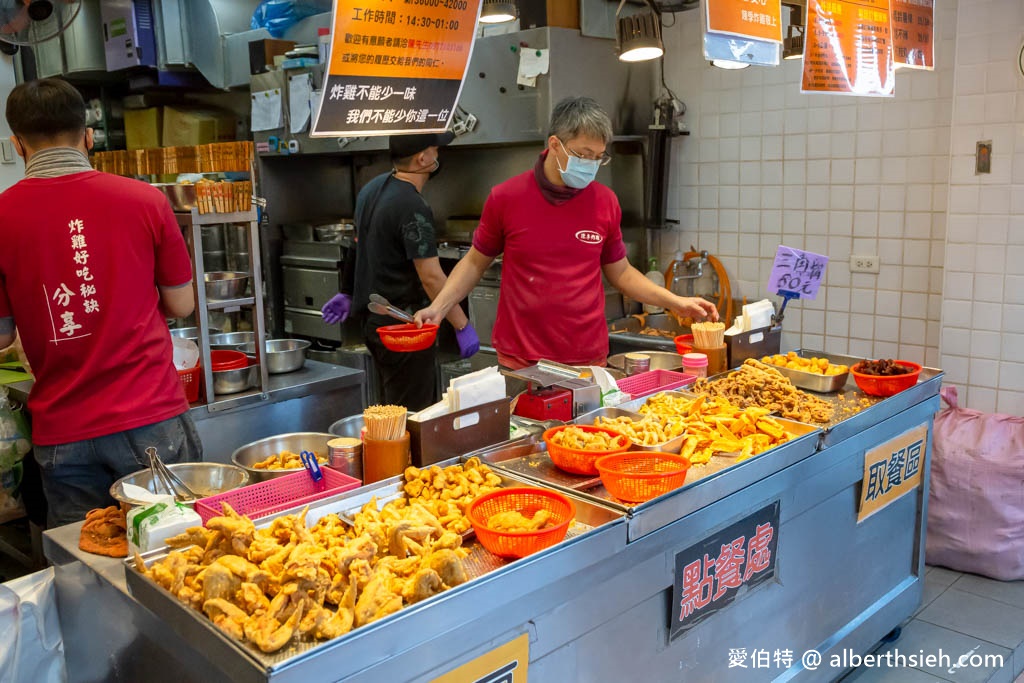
(708, 335)
(385, 423)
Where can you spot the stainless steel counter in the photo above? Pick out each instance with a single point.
(598, 607)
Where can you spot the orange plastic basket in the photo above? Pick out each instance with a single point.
(191, 381)
(579, 461)
(887, 385)
(638, 476)
(526, 501)
(407, 337)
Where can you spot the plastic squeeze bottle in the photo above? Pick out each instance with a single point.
(655, 276)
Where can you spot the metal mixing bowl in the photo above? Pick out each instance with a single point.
(352, 426)
(203, 478)
(296, 442)
(230, 341)
(283, 355)
(660, 360)
(234, 381)
(228, 284)
(190, 333)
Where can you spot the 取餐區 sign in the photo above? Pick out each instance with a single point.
(891, 470)
(395, 67)
(711, 574)
(797, 273)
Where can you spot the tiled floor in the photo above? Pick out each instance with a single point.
(959, 614)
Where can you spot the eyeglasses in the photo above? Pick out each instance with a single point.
(603, 159)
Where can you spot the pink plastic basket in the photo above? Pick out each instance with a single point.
(647, 383)
(274, 495)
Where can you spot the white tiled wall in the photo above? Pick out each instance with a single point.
(982, 339)
(839, 175)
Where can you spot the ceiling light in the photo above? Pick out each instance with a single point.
(729, 65)
(639, 36)
(498, 11)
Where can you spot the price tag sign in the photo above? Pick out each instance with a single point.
(848, 48)
(797, 273)
(395, 67)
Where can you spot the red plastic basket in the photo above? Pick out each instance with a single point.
(638, 476)
(191, 382)
(578, 461)
(526, 501)
(684, 343)
(407, 337)
(655, 380)
(887, 385)
(274, 495)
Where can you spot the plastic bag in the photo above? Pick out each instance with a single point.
(976, 503)
(15, 443)
(277, 16)
(31, 644)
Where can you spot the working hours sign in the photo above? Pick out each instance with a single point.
(396, 66)
(711, 574)
(892, 469)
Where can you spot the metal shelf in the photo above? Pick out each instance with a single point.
(221, 304)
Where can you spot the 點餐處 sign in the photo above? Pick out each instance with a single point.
(797, 273)
(396, 66)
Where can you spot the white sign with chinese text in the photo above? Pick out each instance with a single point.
(891, 470)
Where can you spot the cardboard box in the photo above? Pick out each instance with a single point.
(185, 126)
(143, 128)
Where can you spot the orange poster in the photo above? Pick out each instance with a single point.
(848, 49)
(913, 33)
(396, 66)
(757, 19)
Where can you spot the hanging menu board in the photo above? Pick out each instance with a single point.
(848, 48)
(756, 19)
(396, 66)
(913, 33)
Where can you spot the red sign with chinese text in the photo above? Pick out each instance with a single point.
(913, 33)
(711, 574)
(848, 48)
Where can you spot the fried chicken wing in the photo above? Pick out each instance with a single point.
(270, 635)
(376, 601)
(227, 617)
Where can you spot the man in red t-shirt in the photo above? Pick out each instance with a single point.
(91, 264)
(559, 232)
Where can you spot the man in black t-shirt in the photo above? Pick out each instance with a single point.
(396, 257)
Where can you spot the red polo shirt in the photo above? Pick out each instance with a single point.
(551, 304)
(81, 257)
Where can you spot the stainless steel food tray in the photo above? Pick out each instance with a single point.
(856, 411)
(670, 446)
(245, 662)
(812, 381)
(705, 484)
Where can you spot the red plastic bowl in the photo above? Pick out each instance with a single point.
(886, 385)
(228, 360)
(407, 337)
(684, 343)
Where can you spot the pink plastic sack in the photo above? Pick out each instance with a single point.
(976, 505)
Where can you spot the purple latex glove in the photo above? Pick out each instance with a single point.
(468, 342)
(337, 309)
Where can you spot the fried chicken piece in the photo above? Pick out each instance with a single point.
(227, 617)
(448, 566)
(406, 536)
(362, 547)
(269, 634)
(243, 569)
(304, 562)
(376, 601)
(513, 520)
(196, 535)
(104, 532)
(252, 599)
(237, 529)
(424, 584)
(219, 582)
(286, 602)
(449, 540)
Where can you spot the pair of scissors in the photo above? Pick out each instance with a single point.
(312, 466)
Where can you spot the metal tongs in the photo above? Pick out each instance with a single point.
(312, 466)
(164, 477)
(382, 306)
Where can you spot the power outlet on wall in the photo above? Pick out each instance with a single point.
(863, 263)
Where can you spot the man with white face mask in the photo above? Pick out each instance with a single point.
(559, 232)
(396, 257)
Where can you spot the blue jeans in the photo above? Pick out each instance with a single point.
(77, 475)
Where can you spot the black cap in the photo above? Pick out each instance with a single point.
(403, 146)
